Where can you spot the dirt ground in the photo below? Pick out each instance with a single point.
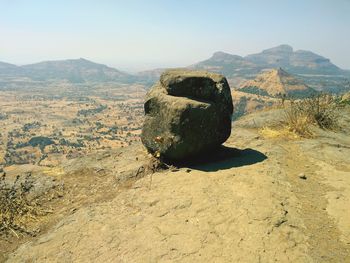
(266, 199)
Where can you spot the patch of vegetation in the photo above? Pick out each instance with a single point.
(92, 111)
(16, 206)
(273, 132)
(77, 144)
(3, 116)
(99, 125)
(321, 110)
(32, 125)
(40, 141)
(255, 90)
(239, 110)
(345, 99)
(302, 94)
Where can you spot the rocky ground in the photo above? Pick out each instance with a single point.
(265, 199)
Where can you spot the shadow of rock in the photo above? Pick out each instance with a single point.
(225, 158)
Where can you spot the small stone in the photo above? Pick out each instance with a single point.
(302, 176)
(188, 170)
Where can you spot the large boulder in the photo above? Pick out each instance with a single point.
(187, 113)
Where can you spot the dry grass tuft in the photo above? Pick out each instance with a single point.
(321, 111)
(17, 209)
(297, 121)
(300, 116)
(269, 132)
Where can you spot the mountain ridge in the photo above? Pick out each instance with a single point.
(6, 65)
(317, 71)
(297, 62)
(74, 70)
(313, 68)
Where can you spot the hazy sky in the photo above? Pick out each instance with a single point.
(143, 34)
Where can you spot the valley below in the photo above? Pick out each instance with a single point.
(67, 121)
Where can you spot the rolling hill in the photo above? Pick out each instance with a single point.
(72, 70)
(8, 69)
(276, 82)
(4, 66)
(75, 70)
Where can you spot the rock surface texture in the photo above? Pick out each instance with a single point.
(187, 114)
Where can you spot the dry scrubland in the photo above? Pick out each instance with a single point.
(275, 193)
(45, 130)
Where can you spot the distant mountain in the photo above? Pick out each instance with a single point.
(299, 62)
(277, 82)
(315, 70)
(8, 69)
(4, 65)
(72, 70)
(225, 63)
(149, 77)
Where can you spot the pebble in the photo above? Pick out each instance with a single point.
(302, 176)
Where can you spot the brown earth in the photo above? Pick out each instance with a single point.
(263, 199)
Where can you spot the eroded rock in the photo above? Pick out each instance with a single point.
(187, 113)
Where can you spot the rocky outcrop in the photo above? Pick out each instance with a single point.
(277, 82)
(187, 113)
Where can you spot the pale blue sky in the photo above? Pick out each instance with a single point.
(137, 35)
